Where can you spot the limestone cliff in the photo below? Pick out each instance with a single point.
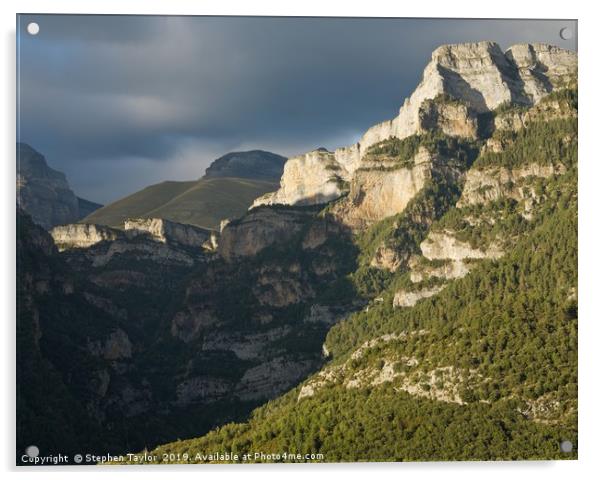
(311, 178)
(405, 298)
(153, 239)
(470, 78)
(493, 183)
(444, 246)
(165, 231)
(82, 235)
(386, 189)
(259, 229)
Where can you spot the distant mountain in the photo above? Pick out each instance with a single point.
(254, 164)
(86, 207)
(227, 190)
(44, 193)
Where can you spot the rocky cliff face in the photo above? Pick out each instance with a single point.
(311, 178)
(460, 82)
(383, 189)
(451, 117)
(43, 192)
(487, 185)
(444, 246)
(405, 298)
(153, 239)
(82, 235)
(259, 229)
(164, 231)
(246, 329)
(375, 195)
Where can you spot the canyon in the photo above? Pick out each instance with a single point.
(199, 326)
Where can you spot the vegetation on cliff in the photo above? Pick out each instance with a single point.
(507, 331)
(514, 321)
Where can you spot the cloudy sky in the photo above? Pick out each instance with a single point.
(121, 102)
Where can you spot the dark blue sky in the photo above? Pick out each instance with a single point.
(120, 102)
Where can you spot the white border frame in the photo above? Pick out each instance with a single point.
(590, 178)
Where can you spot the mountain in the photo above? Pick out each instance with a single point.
(455, 96)
(230, 185)
(413, 298)
(86, 207)
(254, 164)
(466, 238)
(44, 193)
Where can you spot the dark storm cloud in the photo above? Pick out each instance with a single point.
(118, 102)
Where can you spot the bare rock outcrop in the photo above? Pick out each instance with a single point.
(165, 231)
(326, 314)
(378, 193)
(489, 184)
(255, 346)
(279, 287)
(446, 257)
(160, 253)
(83, 235)
(452, 118)
(259, 229)
(444, 246)
(542, 67)
(388, 258)
(404, 298)
(202, 389)
(319, 233)
(447, 270)
(311, 178)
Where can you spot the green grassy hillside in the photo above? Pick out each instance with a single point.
(203, 203)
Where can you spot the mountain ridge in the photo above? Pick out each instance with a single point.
(227, 189)
(478, 75)
(45, 192)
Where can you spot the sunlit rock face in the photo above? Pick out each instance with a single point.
(165, 231)
(311, 178)
(83, 235)
(474, 78)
